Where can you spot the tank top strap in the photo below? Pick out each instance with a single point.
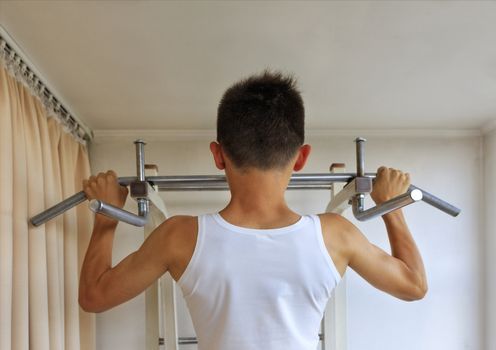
(323, 248)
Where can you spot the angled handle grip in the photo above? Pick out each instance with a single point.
(58, 209)
(437, 202)
(97, 206)
(69, 203)
(413, 195)
(395, 203)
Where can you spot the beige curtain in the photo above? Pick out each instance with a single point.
(40, 164)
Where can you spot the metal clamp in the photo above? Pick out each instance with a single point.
(139, 191)
(138, 186)
(361, 188)
(358, 198)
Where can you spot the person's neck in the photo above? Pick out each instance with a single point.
(257, 200)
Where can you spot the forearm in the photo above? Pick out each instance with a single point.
(98, 257)
(403, 246)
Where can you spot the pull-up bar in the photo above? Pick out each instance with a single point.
(358, 185)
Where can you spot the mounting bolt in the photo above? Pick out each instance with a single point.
(360, 156)
(140, 159)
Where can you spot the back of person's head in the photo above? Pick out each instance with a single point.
(260, 121)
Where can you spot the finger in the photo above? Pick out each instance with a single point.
(111, 174)
(395, 173)
(90, 194)
(92, 178)
(101, 178)
(381, 172)
(85, 183)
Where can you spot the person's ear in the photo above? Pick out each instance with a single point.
(302, 157)
(216, 150)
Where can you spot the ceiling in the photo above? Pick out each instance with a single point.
(360, 64)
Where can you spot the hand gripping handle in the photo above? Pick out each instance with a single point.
(414, 194)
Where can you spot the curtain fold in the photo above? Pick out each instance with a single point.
(40, 164)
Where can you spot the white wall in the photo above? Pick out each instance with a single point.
(490, 239)
(450, 317)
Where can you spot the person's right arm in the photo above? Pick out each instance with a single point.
(400, 273)
(103, 286)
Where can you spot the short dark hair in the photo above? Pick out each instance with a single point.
(261, 120)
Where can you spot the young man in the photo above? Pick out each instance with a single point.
(256, 275)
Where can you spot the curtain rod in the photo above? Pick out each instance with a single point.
(18, 66)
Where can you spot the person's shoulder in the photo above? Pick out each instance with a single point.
(181, 220)
(335, 221)
(178, 225)
(177, 231)
(339, 238)
(338, 228)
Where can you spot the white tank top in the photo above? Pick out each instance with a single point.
(258, 289)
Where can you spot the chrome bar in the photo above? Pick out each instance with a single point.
(438, 202)
(298, 181)
(113, 212)
(360, 156)
(318, 181)
(143, 205)
(140, 159)
(194, 340)
(224, 187)
(194, 183)
(58, 209)
(386, 207)
(180, 341)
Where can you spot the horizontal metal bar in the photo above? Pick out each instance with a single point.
(194, 340)
(218, 183)
(180, 341)
(224, 187)
(205, 180)
(386, 207)
(113, 212)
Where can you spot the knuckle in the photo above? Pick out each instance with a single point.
(111, 174)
